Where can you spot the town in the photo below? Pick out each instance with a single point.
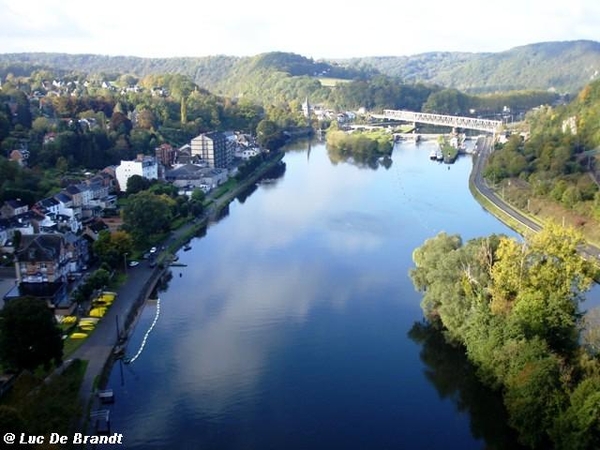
(56, 233)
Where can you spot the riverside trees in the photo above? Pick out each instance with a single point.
(514, 308)
(29, 335)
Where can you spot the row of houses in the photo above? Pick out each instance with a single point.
(56, 233)
(51, 240)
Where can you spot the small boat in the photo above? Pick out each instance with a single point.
(187, 247)
(433, 155)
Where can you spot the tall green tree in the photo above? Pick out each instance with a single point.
(269, 135)
(29, 335)
(110, 248)
(147, 214)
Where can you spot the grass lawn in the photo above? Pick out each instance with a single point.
(70, 345)
(47, 406)
(332, 82)
(224, 188)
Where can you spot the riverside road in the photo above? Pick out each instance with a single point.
(484, 145)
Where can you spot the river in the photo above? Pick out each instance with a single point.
(292, 325)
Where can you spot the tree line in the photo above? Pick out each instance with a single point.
(514, 307)
(556, 159)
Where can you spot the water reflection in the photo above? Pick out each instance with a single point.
(286, 328)
(449, 371)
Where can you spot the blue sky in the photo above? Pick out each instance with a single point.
(313, 28)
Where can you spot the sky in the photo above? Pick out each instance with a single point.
(312, 28)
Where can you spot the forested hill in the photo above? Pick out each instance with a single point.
(205, 72)
(564, 66)
(222, 74)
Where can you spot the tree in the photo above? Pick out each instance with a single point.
(146, 214)
(538, 284)
(99, 279)
(514, 308)
(120, 123)
(198, 195)
(137, 183)
(269, 135)
(110, 247)
(578, 427)
(29, 335)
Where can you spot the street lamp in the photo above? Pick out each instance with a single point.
(125, 261)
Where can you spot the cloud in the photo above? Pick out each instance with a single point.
(315, 29)
(31, 24)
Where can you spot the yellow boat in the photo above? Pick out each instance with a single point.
(78, 336)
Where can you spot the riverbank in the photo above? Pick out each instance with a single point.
(115, 327)
(256, 317)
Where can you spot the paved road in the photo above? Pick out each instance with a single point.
(484, 146)
(99, 345)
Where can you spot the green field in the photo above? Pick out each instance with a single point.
(332, 82)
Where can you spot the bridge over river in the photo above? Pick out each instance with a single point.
(471, 123)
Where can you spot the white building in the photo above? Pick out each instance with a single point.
(246, 153)
(144, 166)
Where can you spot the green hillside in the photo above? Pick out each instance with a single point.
(222, 74)
(563, 66)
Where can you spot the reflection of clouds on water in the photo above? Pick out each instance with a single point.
(286, 217)
(354, 231)
(225, 356)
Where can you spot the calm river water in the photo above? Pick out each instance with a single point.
(292, 325)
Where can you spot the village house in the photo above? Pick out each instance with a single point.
(78, 252)
(20, 156)
(194, 176)
(41, 258)
(165, 154)
(144, 166)
(41, 266)
(13, 208)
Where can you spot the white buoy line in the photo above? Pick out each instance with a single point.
(141, 349)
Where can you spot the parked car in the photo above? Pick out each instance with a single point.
(133, 263)
(153, 250)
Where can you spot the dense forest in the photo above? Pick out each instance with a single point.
(514, 307)
(279, 78)
(560, 66)
(558, 160)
